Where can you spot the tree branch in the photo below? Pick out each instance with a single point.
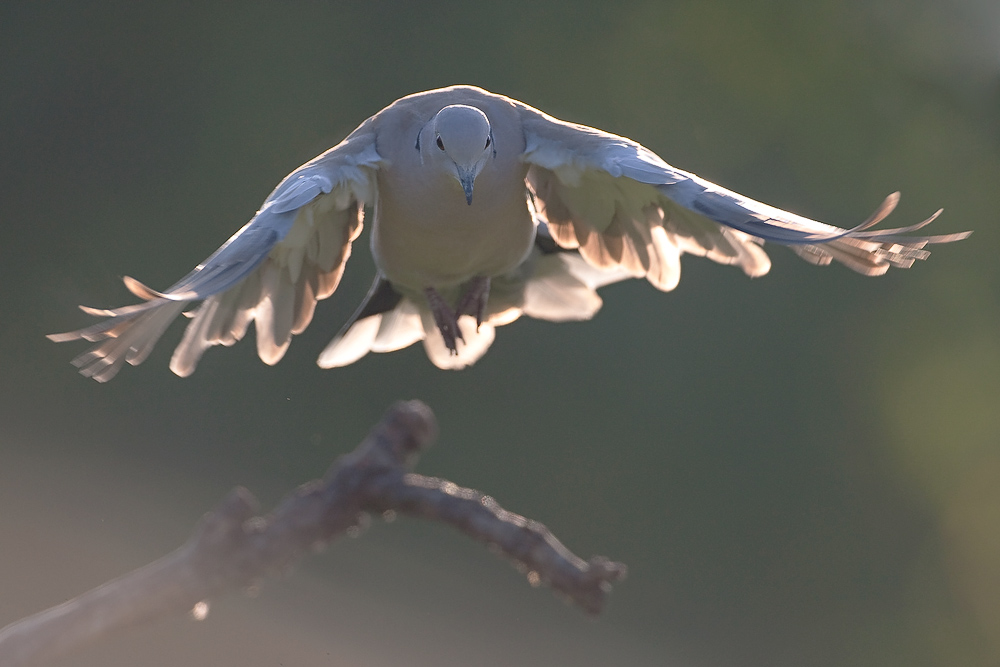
(231, 549)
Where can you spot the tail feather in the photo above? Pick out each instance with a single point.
(477, 341)
(400, 327)
(351, 344)
(553, 284)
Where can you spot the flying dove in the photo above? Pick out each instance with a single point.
(485, 209)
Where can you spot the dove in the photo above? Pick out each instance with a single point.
(484, 209)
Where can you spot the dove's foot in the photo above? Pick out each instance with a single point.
(445, 318)
(473, 302)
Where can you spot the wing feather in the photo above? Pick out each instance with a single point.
(622, 205)
(271, 272)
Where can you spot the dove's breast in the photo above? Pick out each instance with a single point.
(426, 235)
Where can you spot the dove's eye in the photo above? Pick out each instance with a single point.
(440, 143)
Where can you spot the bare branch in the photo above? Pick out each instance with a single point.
(231, 549)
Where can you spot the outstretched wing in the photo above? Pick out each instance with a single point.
(622, 205)
(272, 271)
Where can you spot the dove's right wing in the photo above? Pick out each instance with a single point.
(272, 271)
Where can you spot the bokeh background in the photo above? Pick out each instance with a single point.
(799, 470)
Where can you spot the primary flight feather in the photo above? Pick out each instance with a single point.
(485, 209)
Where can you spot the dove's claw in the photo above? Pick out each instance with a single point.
(445, 318)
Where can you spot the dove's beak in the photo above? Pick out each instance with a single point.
(467, 178)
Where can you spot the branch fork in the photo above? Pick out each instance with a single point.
(234, 548)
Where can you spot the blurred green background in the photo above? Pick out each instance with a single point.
(799, 470)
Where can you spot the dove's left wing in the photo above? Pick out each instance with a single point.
(622, 205)
(272, 271)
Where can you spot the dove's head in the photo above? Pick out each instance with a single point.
(461, 140)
